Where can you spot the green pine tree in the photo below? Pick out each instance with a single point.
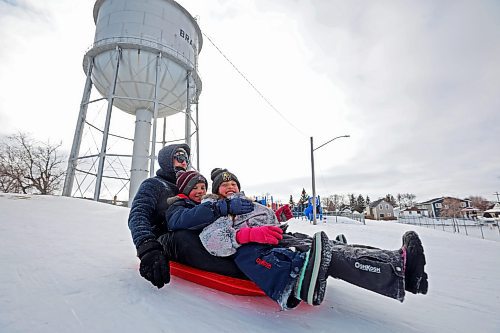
(360, 204)
(304, 197)
(352, 202)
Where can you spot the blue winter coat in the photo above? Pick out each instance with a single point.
(147, 214)
(184, 213)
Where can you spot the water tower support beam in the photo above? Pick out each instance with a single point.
(140, 154)
(164, 139)
(77, 138)
(188, 112)
(155, 117)
(197, 140)
(102, 153)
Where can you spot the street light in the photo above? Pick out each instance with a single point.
(312, 168)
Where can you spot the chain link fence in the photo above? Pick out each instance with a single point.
(468, 227)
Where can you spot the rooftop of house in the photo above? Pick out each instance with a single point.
(375, 203)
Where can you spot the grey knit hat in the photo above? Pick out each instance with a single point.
(219, 176)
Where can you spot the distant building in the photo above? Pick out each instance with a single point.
(380, 209)
(433, 207)
(413, 212)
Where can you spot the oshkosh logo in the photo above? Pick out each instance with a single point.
(367, 268)
(263, 263)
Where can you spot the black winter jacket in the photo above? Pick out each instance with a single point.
(147, 214)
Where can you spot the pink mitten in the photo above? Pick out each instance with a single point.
(264, 235)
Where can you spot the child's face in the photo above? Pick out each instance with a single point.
(228, 188)
(198, 192)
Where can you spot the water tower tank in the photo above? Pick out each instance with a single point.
(144, 62)
(142, 29)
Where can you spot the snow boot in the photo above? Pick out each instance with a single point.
(341, 239)
(377, 270)
(414, 262)
(311, 284)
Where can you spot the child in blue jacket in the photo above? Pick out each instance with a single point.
(249, 238)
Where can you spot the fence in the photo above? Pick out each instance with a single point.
(356, 217)
(468, 227)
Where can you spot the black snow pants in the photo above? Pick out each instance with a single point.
(185, 247)
(377, 270)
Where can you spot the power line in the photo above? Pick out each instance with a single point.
(253, 86)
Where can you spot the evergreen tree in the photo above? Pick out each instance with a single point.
(367, 201)
(290, 202)
(352, 202)
(304, 197)
(360, 204)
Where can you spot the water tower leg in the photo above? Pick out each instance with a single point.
(164, 139)
(155, 117)
(188, 113)
(77, 138)
(104, 145)
(197, 140)
(140, 154)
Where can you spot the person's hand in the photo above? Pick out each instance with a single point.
(264, 235)
(154, 265)
(284, 213)
(234, 206)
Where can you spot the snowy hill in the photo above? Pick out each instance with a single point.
(68, 265)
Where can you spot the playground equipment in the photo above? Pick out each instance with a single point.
(309, 209)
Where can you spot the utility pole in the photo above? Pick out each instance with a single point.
(312, 169)
(497, 194)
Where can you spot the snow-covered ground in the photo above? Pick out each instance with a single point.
(68, 265)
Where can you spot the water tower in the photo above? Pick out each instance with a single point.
(143, 62)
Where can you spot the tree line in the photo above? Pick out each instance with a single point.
(353, 202)
(340, 202)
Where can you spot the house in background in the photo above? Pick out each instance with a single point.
(413, 212)
(433, 207)
(380, 209)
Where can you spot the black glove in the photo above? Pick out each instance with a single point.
(234, 206)
(154, 263)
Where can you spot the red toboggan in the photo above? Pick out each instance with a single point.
(223, 283)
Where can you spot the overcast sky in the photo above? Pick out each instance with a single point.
(415, 84)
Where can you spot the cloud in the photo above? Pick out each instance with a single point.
(420, 82)
(20, 21)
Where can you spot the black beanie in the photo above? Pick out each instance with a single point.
(219, 176)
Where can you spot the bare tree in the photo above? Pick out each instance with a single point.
(406, 200)
(27, 166)
(11, 168)
(451, 208)
(479, 202)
